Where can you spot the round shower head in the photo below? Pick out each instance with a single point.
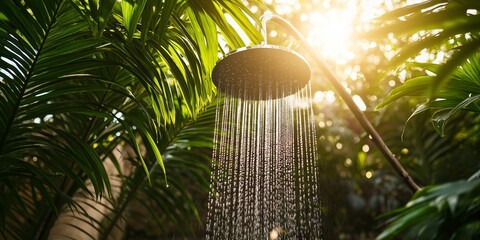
(261, 72)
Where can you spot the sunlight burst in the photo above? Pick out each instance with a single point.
(331, 32)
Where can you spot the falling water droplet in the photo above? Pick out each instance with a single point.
(264, 169)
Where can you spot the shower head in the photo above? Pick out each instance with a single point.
(261, 72)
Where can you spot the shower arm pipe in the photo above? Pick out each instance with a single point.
(386, 152)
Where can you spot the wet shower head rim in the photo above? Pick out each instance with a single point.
(261, 72)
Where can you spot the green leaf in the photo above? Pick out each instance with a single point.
(441, 118)
(457, 59)
(131, 12)
(78, 83)
(425, 216)
(412, 87)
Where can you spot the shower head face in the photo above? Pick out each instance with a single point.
(261, 72)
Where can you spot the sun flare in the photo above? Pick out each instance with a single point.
(330, 25)
(331, 32)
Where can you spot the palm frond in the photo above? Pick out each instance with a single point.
(460, 93)
(447, 92)
(36, 54)
(80, 78)
(63, 93)
(440, 23)
(424, 215)
(168, 203)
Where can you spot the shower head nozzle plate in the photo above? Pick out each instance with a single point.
(261, 72)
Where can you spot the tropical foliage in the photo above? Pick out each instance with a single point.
(104, 106)
(448, 92)
(447, 211)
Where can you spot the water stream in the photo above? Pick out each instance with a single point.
(264, 169)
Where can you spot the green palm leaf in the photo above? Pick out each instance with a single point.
(37, 52)
(441, 21)
(422, 218)
(448, 92)
(460, 93)
(80, 80)
(185, 154)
